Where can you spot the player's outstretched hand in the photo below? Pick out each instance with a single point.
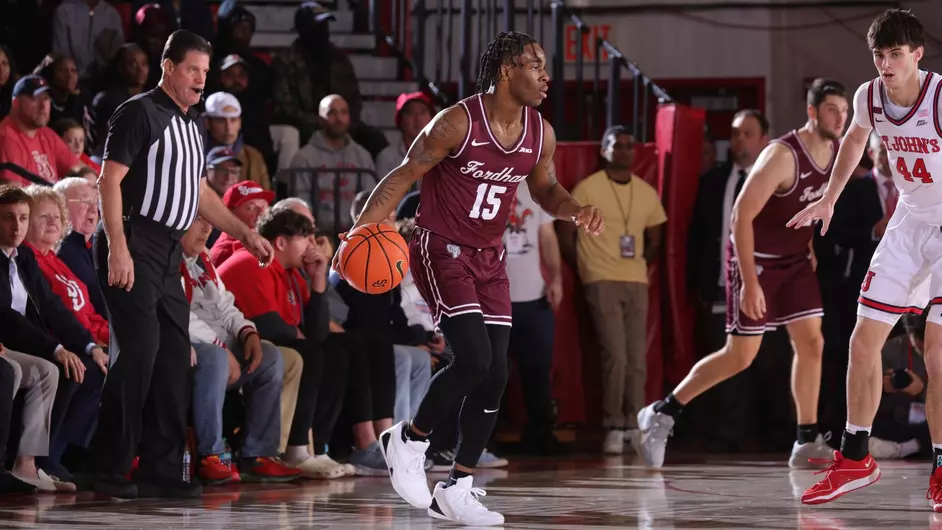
(590, 219)
(820, 210)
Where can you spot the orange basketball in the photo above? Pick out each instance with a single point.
(374, 258)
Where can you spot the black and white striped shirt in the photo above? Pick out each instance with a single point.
(163, 147)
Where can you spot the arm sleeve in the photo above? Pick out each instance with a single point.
(252, 287)
(233, 319)
(61, 321)
(862, 107)
(201, 332)
(128, 133)
(18, 333)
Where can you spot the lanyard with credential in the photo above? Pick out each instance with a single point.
(631, 190)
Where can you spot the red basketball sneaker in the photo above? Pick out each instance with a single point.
(935, 490)
(843, 476)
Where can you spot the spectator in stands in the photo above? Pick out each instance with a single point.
(614, 270)
(9, 385)
(248, 202)
(81, 29)
(288, 312)
(233, 46)
(81, 202)
(332, 148)
(223, 169)
(413, 112)
(25, 139)
(151, 29)
(76, 407)
(125, 77)
(192, 15)
(233, 76)
(7, 81)
(528, 238)
(224, 129)
(38, 326)
(311, 69)
(709, 234)
(900, 428)
(85, 173)
(230, 356)
(73, 134)
(66, 98)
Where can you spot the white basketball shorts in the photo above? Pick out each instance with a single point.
(905, 273)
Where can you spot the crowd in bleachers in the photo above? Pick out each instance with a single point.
(293, 373)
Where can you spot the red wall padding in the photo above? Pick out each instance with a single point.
(671, 165)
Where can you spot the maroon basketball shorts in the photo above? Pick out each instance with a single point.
(790, 288)
(455, 279)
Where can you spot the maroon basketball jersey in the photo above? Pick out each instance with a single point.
(466, 197)
(772, 237)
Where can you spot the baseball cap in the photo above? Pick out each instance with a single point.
(218, 155)
(231, 60)
(406, 98)
(30, 85)
(313, 11)
(223, 105)
(245, 191)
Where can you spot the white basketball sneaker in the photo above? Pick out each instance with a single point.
(406, 463)
(460, 504)
(811, 455)
(655, 429)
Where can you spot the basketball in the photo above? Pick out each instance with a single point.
(374, 258)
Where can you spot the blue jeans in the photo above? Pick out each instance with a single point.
(413, 372)
(261, 393)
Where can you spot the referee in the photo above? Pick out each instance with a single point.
(151, 191)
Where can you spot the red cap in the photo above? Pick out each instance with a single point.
(405, 99)
(245, 191)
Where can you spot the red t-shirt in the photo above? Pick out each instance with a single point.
(45, 154)
(223, 249)
(73, 292)
(271, 289)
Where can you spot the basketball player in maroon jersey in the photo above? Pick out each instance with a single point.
(472, 156)
(770, 278)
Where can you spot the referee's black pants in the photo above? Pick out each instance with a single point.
(145, 398)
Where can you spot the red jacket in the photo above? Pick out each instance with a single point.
(223, 249)
(260, 290)
(73, 292)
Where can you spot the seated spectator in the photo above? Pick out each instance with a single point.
(192, 15)
(85, 173)
(81, 201)
(9, 385)
(235, 26)
(80, 28)
(233, 76)
(311, 69)
(289, 313)
(331, 148)
(223, 169)
(224, 129)
(7, 81)
(413, 112)
(25, 139)
(248, 202)
(230, 356)
(73, 134)
(47, 223)
(125, 77)
(39, 326)
(66, 97)
(900, 428)
(151, 28)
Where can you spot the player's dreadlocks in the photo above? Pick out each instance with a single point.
(504, 49)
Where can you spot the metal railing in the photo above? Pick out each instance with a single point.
(643, 88)
(305, 183)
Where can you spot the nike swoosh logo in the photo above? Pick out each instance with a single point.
(490, 411)
(475, 143)
(804, 175)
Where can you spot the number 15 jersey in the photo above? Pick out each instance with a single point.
(467, 197)
(913, 140)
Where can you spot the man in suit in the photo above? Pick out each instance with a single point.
(36, 323)
(706, 255)
(859, 220)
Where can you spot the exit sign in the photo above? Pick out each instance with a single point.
(595, 31)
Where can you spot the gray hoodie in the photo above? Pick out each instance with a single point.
(90, 36)
(319, 154)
